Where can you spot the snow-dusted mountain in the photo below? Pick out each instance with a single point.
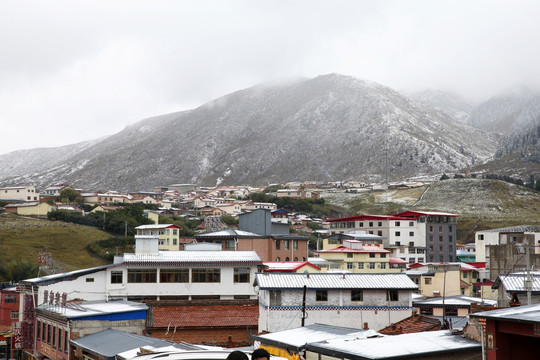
(449, 103)
(327, 128)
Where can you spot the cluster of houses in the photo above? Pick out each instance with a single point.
(373, 286)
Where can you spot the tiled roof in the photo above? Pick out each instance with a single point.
(413, 324)
(206, 315)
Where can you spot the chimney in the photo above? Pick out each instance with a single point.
(366, 326)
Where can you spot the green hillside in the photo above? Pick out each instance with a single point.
(22, 239)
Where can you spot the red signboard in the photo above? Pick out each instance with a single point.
(16, 335)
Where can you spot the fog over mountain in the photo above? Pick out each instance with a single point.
(331, 127)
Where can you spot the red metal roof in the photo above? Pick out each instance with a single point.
(365, 249)
(393, 260)
(366, 217)
(281, 266)
(424, 213)
(206, 315)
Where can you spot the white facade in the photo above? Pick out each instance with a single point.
(349, 300)
(20, 193)
(481, 240)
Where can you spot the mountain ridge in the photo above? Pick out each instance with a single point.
(331, 127)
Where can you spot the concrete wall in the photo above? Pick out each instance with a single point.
(339, 310)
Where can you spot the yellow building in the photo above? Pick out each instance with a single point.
(29, 209)
(169, 235)
(356, 257)
(437, 279)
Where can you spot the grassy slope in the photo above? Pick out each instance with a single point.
(24, 239)
(482, 203)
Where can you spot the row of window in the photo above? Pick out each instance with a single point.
(371, 265)
(371, 255)
(57, 338)
(203, 275)
(356, 295)
(288, 259)
(286, 244)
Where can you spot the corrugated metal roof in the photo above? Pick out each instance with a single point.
(297, 338)
(334, 281)
(95, 308)
(397, 346)
(515, 282)
(526, 313)
(457, 300)
(110, 342)
(194, 257)
(51, 279)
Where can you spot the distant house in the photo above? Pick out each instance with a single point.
(19, 193)
(55, 190)
(458, 305)
(168, 234)
(436, 279)
(351, 300)
(356, 257)
(512, 289)
(29, 209)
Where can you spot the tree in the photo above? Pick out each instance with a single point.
(69, 195)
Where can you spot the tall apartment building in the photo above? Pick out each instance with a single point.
(414, 236)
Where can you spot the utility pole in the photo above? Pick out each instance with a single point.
(304, 306)
(528, 282)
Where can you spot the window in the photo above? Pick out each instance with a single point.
(275, 297)
(241, 297)
(480, 236)
(278, 259)
(392, 295)
(66, 344)
(361, 265)
(14, 314)
(398, 233)
(350, 265)
(142, 275)
(440, 228)
(411, 223)
(382, 255)
(421, 259)
(357, 295)
(380, 223)
(398, 223)
(371, 224)
(430, 228)
(464, 274)
(116, 277)
(230, 244)
(372, 265)
(175, 242)
(321, 295)
(175, 231)
(241, 275)
(371, 255)
(205, 275)
(379, 233)
(287, 258)
(277, 245)
(43, 331)
(60, 339)
(38, 332)
(205, 297)
(411, 233)
(427, 281)
(54, 337)
(383, 265)
(361, 224)
(49, 334)
(174, 275)
(89, 279)
(10, 299)
(286, 244)
(349, 255)
(295, 244)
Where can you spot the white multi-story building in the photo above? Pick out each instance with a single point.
(149, 274)
(345, 299)
(19, 193)
(428, 236)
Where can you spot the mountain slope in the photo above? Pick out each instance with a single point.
(448, 103)
(327, 128)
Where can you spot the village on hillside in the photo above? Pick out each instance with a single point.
(367, 286)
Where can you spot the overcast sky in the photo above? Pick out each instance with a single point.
(78, 70)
